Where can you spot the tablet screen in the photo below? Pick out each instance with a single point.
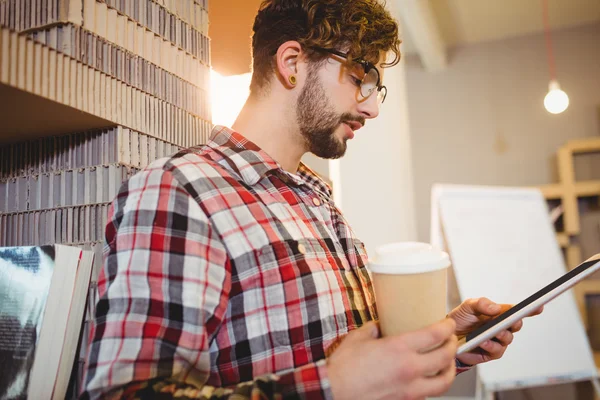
(568, 276)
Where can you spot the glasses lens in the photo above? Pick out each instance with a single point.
(369, 83)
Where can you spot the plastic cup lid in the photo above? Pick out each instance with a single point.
(408, 258)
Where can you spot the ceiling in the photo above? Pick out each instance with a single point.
(454, 22)
(464, 22)
(230, 34)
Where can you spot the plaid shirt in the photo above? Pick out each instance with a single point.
(224, 274)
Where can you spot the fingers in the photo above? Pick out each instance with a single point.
(505, 338)
(496, 347)
(421, 373)
(490, 349)
(436, 385)
(429, 337)
(431, 363)
(484, 306)
(537, 311)
(487, 307)
(516, 327)
(519, 324)
(370, 330)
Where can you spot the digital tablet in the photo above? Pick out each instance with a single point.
(505, 320)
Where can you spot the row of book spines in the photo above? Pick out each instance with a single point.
(187, 10)
(60, 78)
(184, 32)
(127, 33)
(89, 185)
(66, 225)
(71, 39)
(101, 16)
(116, 145)
(26, 14)
(129, 68)
(194, 13)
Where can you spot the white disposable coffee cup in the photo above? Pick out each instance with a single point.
(410, 284)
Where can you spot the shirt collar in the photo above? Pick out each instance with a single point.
(252, 164)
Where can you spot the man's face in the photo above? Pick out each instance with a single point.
(330, 108)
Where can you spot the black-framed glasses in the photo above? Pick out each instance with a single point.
(371, 80)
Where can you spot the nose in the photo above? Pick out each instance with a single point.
(369, 107)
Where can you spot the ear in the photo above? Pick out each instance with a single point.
(289, 56)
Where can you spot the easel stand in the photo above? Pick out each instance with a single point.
(482, 394)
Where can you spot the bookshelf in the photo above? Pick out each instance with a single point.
(568, 193)
(92, 91)
(51, 118)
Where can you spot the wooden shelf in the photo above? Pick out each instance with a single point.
(587, 188)
(563, 239)
(588, 145)
(51, 118)
(580, 290)
(552, 191)
(555, 191)
(568, 190)
(589, 286)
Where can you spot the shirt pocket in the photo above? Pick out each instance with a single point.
(289, 260)
(292, 275)
(301, 289)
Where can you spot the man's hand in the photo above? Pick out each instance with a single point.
(473, 313)
(396, 367)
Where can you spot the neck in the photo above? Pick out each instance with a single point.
(271, 125)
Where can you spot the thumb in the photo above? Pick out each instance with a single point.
(368, 331)
(484, 306)
(474, 308)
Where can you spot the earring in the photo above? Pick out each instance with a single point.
(292, 79)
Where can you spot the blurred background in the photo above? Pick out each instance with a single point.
(487, 92)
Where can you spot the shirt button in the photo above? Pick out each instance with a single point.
(301, 249)
(316, 201)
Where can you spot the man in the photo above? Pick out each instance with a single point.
(230, 270)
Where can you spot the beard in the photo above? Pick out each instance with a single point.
(318, 120)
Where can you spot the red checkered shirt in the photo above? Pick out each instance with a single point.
(224, 274)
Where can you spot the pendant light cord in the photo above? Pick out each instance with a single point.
(548, 40)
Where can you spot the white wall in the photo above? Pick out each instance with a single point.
(376, 172)
(482, 120)
(319, 165)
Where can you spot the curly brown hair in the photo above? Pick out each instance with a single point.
(363, 28)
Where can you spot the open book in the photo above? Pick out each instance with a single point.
(43, 292)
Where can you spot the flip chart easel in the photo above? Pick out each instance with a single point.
(503, 246)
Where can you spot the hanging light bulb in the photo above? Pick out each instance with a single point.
(556, 101)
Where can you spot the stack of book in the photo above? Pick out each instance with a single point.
(43, 291)
(137, 71)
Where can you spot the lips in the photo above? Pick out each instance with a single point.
(353, 125)
(349, 130)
